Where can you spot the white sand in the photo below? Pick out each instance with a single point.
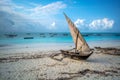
(48, 68)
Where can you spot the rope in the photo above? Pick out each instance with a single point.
(76, 42)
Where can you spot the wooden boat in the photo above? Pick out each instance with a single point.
(11, 35)
(77, 55)
(28, 37)
(82, 50)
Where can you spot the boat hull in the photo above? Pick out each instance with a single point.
(73, 55)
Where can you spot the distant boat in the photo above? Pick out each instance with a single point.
(82, 50)
(42, 33)
(28, 37)
(65, 34)
(117, 34)
(10, 35)
(52, 34)
(85, 35)
(28, 33)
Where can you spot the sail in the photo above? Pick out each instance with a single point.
(79, 41)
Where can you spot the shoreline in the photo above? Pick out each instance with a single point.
(42, 47)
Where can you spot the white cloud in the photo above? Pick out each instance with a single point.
(37, 17)
(79, 22)
(104, 23)
(52, 26)
(48, 9)
(44, 14)
(98, 24)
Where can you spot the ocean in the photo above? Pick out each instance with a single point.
(18, 38)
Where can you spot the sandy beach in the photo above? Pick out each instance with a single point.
(59, 39)
(36, 64)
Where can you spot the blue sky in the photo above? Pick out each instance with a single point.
(47, 15)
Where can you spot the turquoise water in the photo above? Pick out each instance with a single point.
(5, 39)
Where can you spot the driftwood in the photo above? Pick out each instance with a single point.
(111, 51)
(85, 72)
(17, 58)
(53, 56)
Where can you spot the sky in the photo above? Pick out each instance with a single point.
(47, 15)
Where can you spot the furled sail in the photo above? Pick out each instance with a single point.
(80, 43)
